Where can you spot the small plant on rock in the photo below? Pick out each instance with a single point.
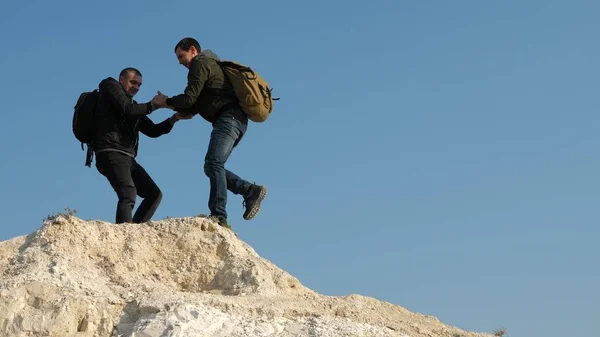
(68, 213)
(500, 332)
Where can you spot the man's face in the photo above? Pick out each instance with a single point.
(185, 57)
(131, 83)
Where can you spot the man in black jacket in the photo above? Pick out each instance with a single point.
(210, 93)
(119, 120)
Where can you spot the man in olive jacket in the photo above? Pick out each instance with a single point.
(119, 119)
(210, 94)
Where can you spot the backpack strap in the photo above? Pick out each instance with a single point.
(89, 155)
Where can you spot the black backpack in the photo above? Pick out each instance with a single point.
(84, 126)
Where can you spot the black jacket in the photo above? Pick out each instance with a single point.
(208, 90)
(120, 118)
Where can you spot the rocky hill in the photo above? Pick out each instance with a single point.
(177, 278)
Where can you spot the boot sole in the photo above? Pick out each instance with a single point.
(256, 208)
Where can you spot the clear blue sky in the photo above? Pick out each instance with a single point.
(439, 155)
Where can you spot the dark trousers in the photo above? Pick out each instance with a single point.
(129, 179)
(228, 130)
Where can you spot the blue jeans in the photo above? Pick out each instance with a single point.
(228, 130)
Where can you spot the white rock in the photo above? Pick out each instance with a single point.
(174, 278)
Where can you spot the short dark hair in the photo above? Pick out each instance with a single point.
(186, 43)
(128, 70)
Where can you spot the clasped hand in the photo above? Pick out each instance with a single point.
(160, 100)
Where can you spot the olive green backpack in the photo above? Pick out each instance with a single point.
(252, 91)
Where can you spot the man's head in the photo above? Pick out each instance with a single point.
(131, 80)
(186, 49)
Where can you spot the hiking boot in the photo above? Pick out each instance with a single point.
(252, 200)
(221, 220)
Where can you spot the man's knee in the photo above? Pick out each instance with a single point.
(151, 193)
(212, 165)
(157, 196)
(222, 141)
(127, 194)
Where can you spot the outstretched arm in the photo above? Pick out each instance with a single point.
(150, 129)
(197, 76)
